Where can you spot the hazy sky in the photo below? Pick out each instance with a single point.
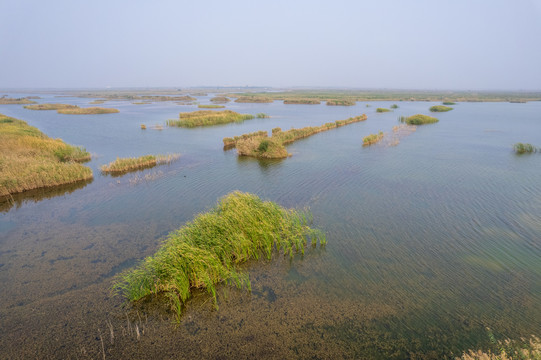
(415, 44)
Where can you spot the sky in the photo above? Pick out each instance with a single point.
(383, 44)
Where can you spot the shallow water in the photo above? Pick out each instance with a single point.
(429, 242)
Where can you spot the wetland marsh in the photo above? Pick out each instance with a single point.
(429, 243)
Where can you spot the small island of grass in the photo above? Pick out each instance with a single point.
(340, 102)
(97, 102)
(87, 111)
(525, 148)
(418, 119)
(259, 145)
(262, 116)
(372, 138)
(440, 108)
(302, 101)
(253, 99)
(210, 106)
(4, 100)
(220, 99)
(124, 165)
(448, 103)
(50, 107)
(208, 250)
(208, 118)
(394, 106)
(31, 160)
(382, 110)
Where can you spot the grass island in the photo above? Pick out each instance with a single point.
(124, 165)
(50, 106)
(87, 111)
(208, 118)
(440, 108)
(418, 119)
(382, 110)
(4, 100)
(342, 102)
(525, 148)
(303, 101)
(372, 138)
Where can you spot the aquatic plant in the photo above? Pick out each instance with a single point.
(4, 100)
(372, 138)
(87, 111)
(303, 101)
(262, 116)
(231, 142)
(448, 103)
(208, 118)
(50, 106)
(210, 106)
(523, 148)
(440, 108)
(340, 102)
(97, 102)
(526, 349)
(31, 160)
(394, 106)
(253, 99)
(220, 99)
(381, 110)
(418, 119)
(273, 147)
(207, 251)
(122, 165)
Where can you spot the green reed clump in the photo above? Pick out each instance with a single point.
(220, 99)
(394, 106)
(448, 103)
(208, 250)
(4, 100)
(210, 106)
(418, 119)
(381, 110)
(440, 108)
(341, 102)
(262, 116)
(232, 142)
(86, 111)
(372, 138)
(50, 106)
(121, 165)
(208, 118)
(523, 148)
(72, 153)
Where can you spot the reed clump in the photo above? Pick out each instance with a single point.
(440, 108)
(372, 138)
(253, 99)
(30, 159)
(50, 106)
(274, 147)
(231, 142)
(303, 101)
(526, 349)
(208, 118)
(262, 116)
(210, 106)
(394, 106)
(449, 103)
(381, 110)
(87, 111)
(418, 119)
(220, 99)
(124, 165)
(525, 148)
(98, 102)
(341, 102)
(208, 250)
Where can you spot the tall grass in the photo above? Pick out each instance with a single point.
(262, 116)
(87, 111)
(50, 106)
(220, 99)
(440, 108)
(418, 119)
(523, 148)
(273, 147)
(208, 118)
(231, 142)
(372, 138)
(381, 110)
(4, 100)
(525, 349)
(253, 99)
(123, 165)
(30, 159)
(208, 250)
(340, 102)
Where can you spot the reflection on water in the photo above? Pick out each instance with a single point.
(429, 241)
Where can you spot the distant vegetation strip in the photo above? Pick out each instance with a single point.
(303, 101)
(220, 100)
(122, 165)
(253, 99)
(4, 100)
(30, 159)
(87, 111)
(259, 145)
(524, 148)
(97, 102)
(208, 118)
(440, 108)
(50, 106)
(418, 119)
(382, 110)
(341, 102)
(208, 251)
(449, 103)
(210, 106)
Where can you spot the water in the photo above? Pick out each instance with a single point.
(429, 242)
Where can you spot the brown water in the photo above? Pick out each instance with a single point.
(429, 241)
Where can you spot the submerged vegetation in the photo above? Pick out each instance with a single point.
(303, 101)
(50, 107)
(208, 118)
(340, 102)
(372, 138)
(30, 159)
(381, 110)
(87, 111)
(208, 250)
(122, 165)
(210, 106)
(259, 145)
(523, 148)
(418, 119)
(440, 108)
